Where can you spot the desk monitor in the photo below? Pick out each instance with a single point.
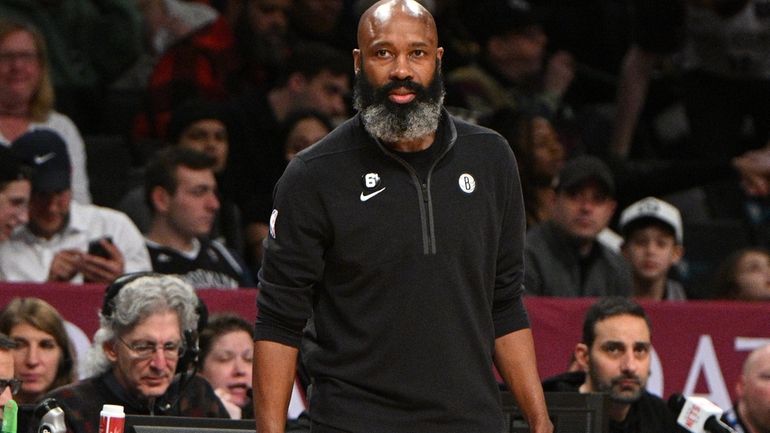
(570, 412)
(179, 424)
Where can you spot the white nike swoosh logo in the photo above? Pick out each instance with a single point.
(41, 159)
(365, 197)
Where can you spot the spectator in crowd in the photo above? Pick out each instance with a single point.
(43, 358)
(226, 355)
(563, 255)
(725, 72)
(135, 353)
(27, 97)
(744, 275)
(14, 193)
(10, 383)
(165, 22)
(205, 127)
(540, 157)
(510, 71)
(182, 192)
(54, 244)
(316, 77)
(92, 42)
(326, 21)
(614, 357)
(303, 128)
(652, 244)
(331, 254)
(751, 411)
(218, 61)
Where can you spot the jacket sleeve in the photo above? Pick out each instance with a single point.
(508, 311)
(294, 257)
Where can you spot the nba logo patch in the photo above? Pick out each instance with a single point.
(273, 217)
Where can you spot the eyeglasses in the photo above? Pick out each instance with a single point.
(146, 349)
(20, 56)
(14, 384)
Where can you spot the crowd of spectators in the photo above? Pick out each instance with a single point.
(629, 125)
(667, 112)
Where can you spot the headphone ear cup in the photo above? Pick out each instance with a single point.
(190, 357)
(112, 290)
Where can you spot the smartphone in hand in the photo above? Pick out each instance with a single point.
(95, 248)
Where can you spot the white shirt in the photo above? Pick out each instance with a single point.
(63, 126)
(26, 257)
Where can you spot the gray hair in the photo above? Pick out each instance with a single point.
(136, 301)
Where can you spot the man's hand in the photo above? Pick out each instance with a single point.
(103, 270)
(233, 409)
(65, 265)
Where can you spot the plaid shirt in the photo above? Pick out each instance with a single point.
(198, 66)
(82, 401)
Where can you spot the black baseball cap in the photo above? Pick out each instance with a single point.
(46, 153)
(581, 169)
(187, 114)
(11, 167)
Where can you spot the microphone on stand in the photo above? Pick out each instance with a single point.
(51, 417)
(697, 414)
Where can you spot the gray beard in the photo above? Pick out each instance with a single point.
(389, 127)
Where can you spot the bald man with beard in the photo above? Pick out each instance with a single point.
(395, 258)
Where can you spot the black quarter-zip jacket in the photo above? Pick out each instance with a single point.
(397, 288)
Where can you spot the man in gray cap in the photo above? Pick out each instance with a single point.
(563, 255)
(65, 240)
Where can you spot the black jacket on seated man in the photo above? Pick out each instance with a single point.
(649, 414)
(82, 401)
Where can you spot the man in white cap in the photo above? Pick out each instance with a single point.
(652, 243)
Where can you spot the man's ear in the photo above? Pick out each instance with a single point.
(109, 351)
(678, 253)
(739, 386)
(357, 60)
(161, 199)
(582, 355)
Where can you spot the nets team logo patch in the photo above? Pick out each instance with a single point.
(467, 183)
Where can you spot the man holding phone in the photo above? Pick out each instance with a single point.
(65, 240)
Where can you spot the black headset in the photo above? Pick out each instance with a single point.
(192, 350)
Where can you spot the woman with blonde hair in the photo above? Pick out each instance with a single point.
(43, 359)
(27, 98)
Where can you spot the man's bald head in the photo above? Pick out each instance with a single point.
(754, 359)
(384, 11)
(753, 391)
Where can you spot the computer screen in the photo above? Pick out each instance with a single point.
(570, 412)
(176, 424)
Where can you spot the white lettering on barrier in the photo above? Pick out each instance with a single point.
(706, 361)
(655, 382)
(747, 344)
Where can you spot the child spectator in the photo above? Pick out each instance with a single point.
(744, 275)
(652, 243)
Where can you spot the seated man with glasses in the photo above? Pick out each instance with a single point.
(9, 386)
(135, 354)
